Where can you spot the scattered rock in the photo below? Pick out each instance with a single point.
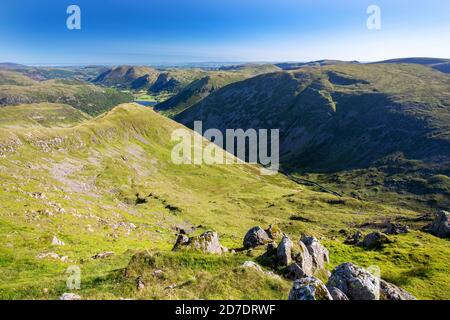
(251, 264)
(441, 225)
(69, 296)
(52, 255)
(256, 236)
(182, 240)
(375, 240)
(140, 285)
(396, 228)
(388, 291)
(103, 255)
(157, 273)
(337, 294)
(355, 238)
(355, 282)
(207, 242)
(309, 288)
(57, 242)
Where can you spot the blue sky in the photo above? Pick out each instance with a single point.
(176, 31)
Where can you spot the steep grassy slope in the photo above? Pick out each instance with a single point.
(18, 89)
(108, 184)
(347, 117)
(40, 115)
(201, 88)
(196, 91)
(14, 78)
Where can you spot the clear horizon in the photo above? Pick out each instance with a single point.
(184, 32)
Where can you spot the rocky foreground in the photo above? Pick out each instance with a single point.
(304, 262)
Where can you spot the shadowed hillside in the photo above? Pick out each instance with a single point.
(346, 117)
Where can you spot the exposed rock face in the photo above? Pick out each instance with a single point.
(337, 294)
(318, 252)
(284, 251)
(182, 240)
(441, 225)
(207, 242)
(375, 240)
(388, 291)
(309, 288)
(355, 282)
(256, 236)
(295, 272)
(69, 296)
(396, 228)
(303, 258)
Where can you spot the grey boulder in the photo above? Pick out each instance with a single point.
(254, 237)
(441, 225)
(375, 240)
(388, 291)
(207, 242)
(309, 288)
(355, 282)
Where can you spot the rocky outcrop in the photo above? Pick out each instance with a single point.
(309, 288)
(355, 282)
(256, 236)
(302, 259)
(318, 252)
(350, 282)
(337, 294)
(207, 242)
(396, 228)
(441, 225)
(375, 240)
(388, 291)
(284, 251)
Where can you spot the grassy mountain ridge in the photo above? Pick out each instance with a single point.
(126, 76)
(108, 184)
(442, 65)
